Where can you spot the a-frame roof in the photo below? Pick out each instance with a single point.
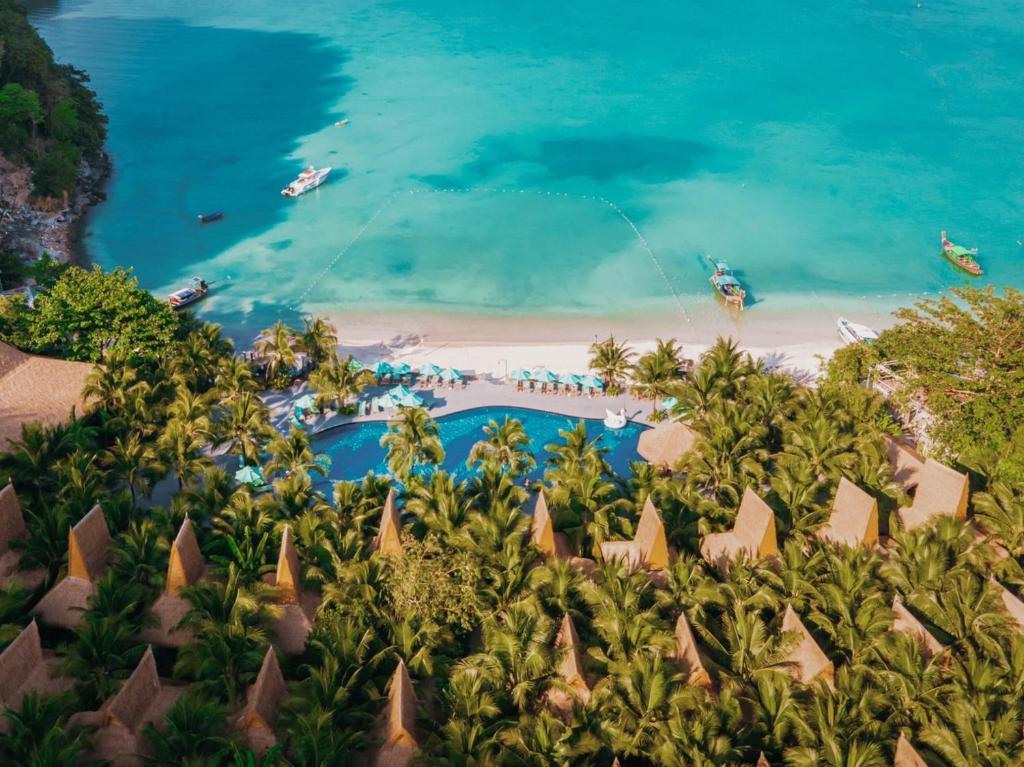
(650, 537)
(389, 535)
(88, 542)
(806, 659)
(186, 565)
(289, 575)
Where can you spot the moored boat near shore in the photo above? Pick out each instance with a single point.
(853, 333)
(198, 288)
(961, 256)
(727, 286)
(306, 181)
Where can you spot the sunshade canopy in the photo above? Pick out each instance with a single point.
(450, 374)
(520, 375)
(305, 402)
(401, 368)
(544, 376)
(250, 475)
(383, 367)
(429, 369)
(592, 382)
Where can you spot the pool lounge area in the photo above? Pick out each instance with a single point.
(354, 448)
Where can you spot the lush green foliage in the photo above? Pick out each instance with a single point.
(48, 115)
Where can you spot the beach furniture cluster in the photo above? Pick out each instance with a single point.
(544, 381)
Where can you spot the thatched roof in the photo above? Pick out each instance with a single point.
(389, 535)
(167, 612)
(37, 389)
(753, 533)
(905, 461)
(88, 542)
(12, 523)
(806, 660)
(649, 547)
(260, 713)
(65, 603)
(906, 755)
(399, 725)
(570, 667)
(24, 669)
(762, 761)
(186, 564)
(666, 444)
(1012, 605)
(941, 491)
(904, 622)
(292, 626)
(688, 655)
(854, 518)
(129, 707)
(289, 578)
(542, 529)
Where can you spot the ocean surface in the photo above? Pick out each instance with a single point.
(553, 158)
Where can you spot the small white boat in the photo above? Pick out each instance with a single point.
(853, 333)
(179, 299)
(342, 123)
(309, 179)
(615, 420)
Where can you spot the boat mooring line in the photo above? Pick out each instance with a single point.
(489, 190)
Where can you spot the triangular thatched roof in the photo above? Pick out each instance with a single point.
(806, 660)
(289, 576)
(650, 537)
(399, 726)
(186, 565)
(854, 518)
(666, 444)
(1013, 606)
(570, 667)
(542, 529)
(129, 707)
(688, 655)
(762, 761)
(941, 491)
(905, 461)
(389, 535)
(65, 604)
(753, 534)
(24, 669)
(906, 755)
(904, 622)
(12, 523)
(88, 542)
(260, 713)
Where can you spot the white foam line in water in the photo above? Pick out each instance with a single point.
(488, 190)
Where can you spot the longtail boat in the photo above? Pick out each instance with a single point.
(727, 286)
(961, 257)
(197, 289)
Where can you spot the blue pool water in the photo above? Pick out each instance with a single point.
(818, 146)
(355, 449)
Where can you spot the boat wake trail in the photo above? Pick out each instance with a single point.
(644, 244)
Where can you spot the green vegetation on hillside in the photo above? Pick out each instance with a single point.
(49, 118)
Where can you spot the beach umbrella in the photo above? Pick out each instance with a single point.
(544, 376)
(450, 374)
(399, 392)
(520, 375)
(356, 365)
(305, 402)
(409, 400)
(382, 368)
(428, 369)
(250, 475)
(669, 402)
(569, 379)
(592, 382)
(401, 368)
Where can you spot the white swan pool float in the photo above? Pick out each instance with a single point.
(615, 420)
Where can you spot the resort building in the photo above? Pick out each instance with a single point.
(12, 528)
(256, 723)
(185, 567)
(941, 491)
(25, 667)
(906, 755)
(399, 744)
(854, 518)
(904, 622)
(570, 669)
(649, 547)
(298, 607)
(666, 444)
(688, 655)
(389, 534)
(753, 534)
(806, 662)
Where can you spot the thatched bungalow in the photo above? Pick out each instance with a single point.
(389, 534)
(753, 534)
(854, 518)
(688, 655)
(905, 622)
(88, 545)
(37, 389)
(905, 461)
(806, 661)
(570, 669)
(542, 530)
(399, 744)
(666, 444)
(941, 491)
(298, 608)
(257, 720)
(185, 568)
(12, 528)
(24, 668)
(906, 755)
(649, 547)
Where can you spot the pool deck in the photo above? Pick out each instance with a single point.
(476, 394)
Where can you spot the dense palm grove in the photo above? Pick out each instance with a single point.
(473, 608)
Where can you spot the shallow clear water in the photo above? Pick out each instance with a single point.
(819, 147)
(355, 449)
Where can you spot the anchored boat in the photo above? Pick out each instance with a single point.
(853, 333)
(309, 179)
(206, 218)
(961, 257)
(727, 286)
(197, 289)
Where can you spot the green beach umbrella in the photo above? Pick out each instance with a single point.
(520, 375)
(592, 382)
(250, 475)
(544, 376)
(450, 374)
(399, 392)
(305, 402)
(428, 369)
(382, 368)
(410, 400)
(569, 379)
(401, 368)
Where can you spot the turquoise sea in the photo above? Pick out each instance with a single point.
(553, 158)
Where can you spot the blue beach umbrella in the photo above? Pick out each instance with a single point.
(669, 402)
(250, 475)
(356, 365)
(450, 374)
(592, 382)
(305, 402)
(382, 368)
(410, 400)
(399, 392)
(544, 376)
(401, 368)
(569, 379)
(520, 375)
(428, 369)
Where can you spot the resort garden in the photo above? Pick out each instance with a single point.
(716, 611)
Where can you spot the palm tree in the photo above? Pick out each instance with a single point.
(182, 448)
(611, 360)
(412, 440)
(319, 339)
(336, 381)
(188, 734)
(440, 504)
(244, 425)
(657, 372)
(197, 358)
(276, 346)
(291, 454)
(103, 654)
(134, 463)
(506, 446)
(37, 733)
(234, 377)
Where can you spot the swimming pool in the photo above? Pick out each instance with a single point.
(355, 449)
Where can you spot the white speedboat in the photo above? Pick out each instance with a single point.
(309, 179)
(615, 420)
(853, 333)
